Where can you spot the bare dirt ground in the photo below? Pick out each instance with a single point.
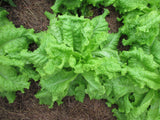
(30, 14)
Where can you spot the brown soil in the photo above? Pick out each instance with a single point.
(120, 46)
(112, 20)
(30, 14)
(114, 25)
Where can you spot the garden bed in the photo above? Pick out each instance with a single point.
(64, 51)
(30, 14)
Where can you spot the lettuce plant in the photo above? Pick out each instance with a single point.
(14, 73)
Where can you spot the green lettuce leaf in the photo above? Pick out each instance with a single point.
(55, 87)
(142, 68)
(130, 5)
(77, 88)
(63, 6)
(14, 72)
(141, 28)
(78, 7)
